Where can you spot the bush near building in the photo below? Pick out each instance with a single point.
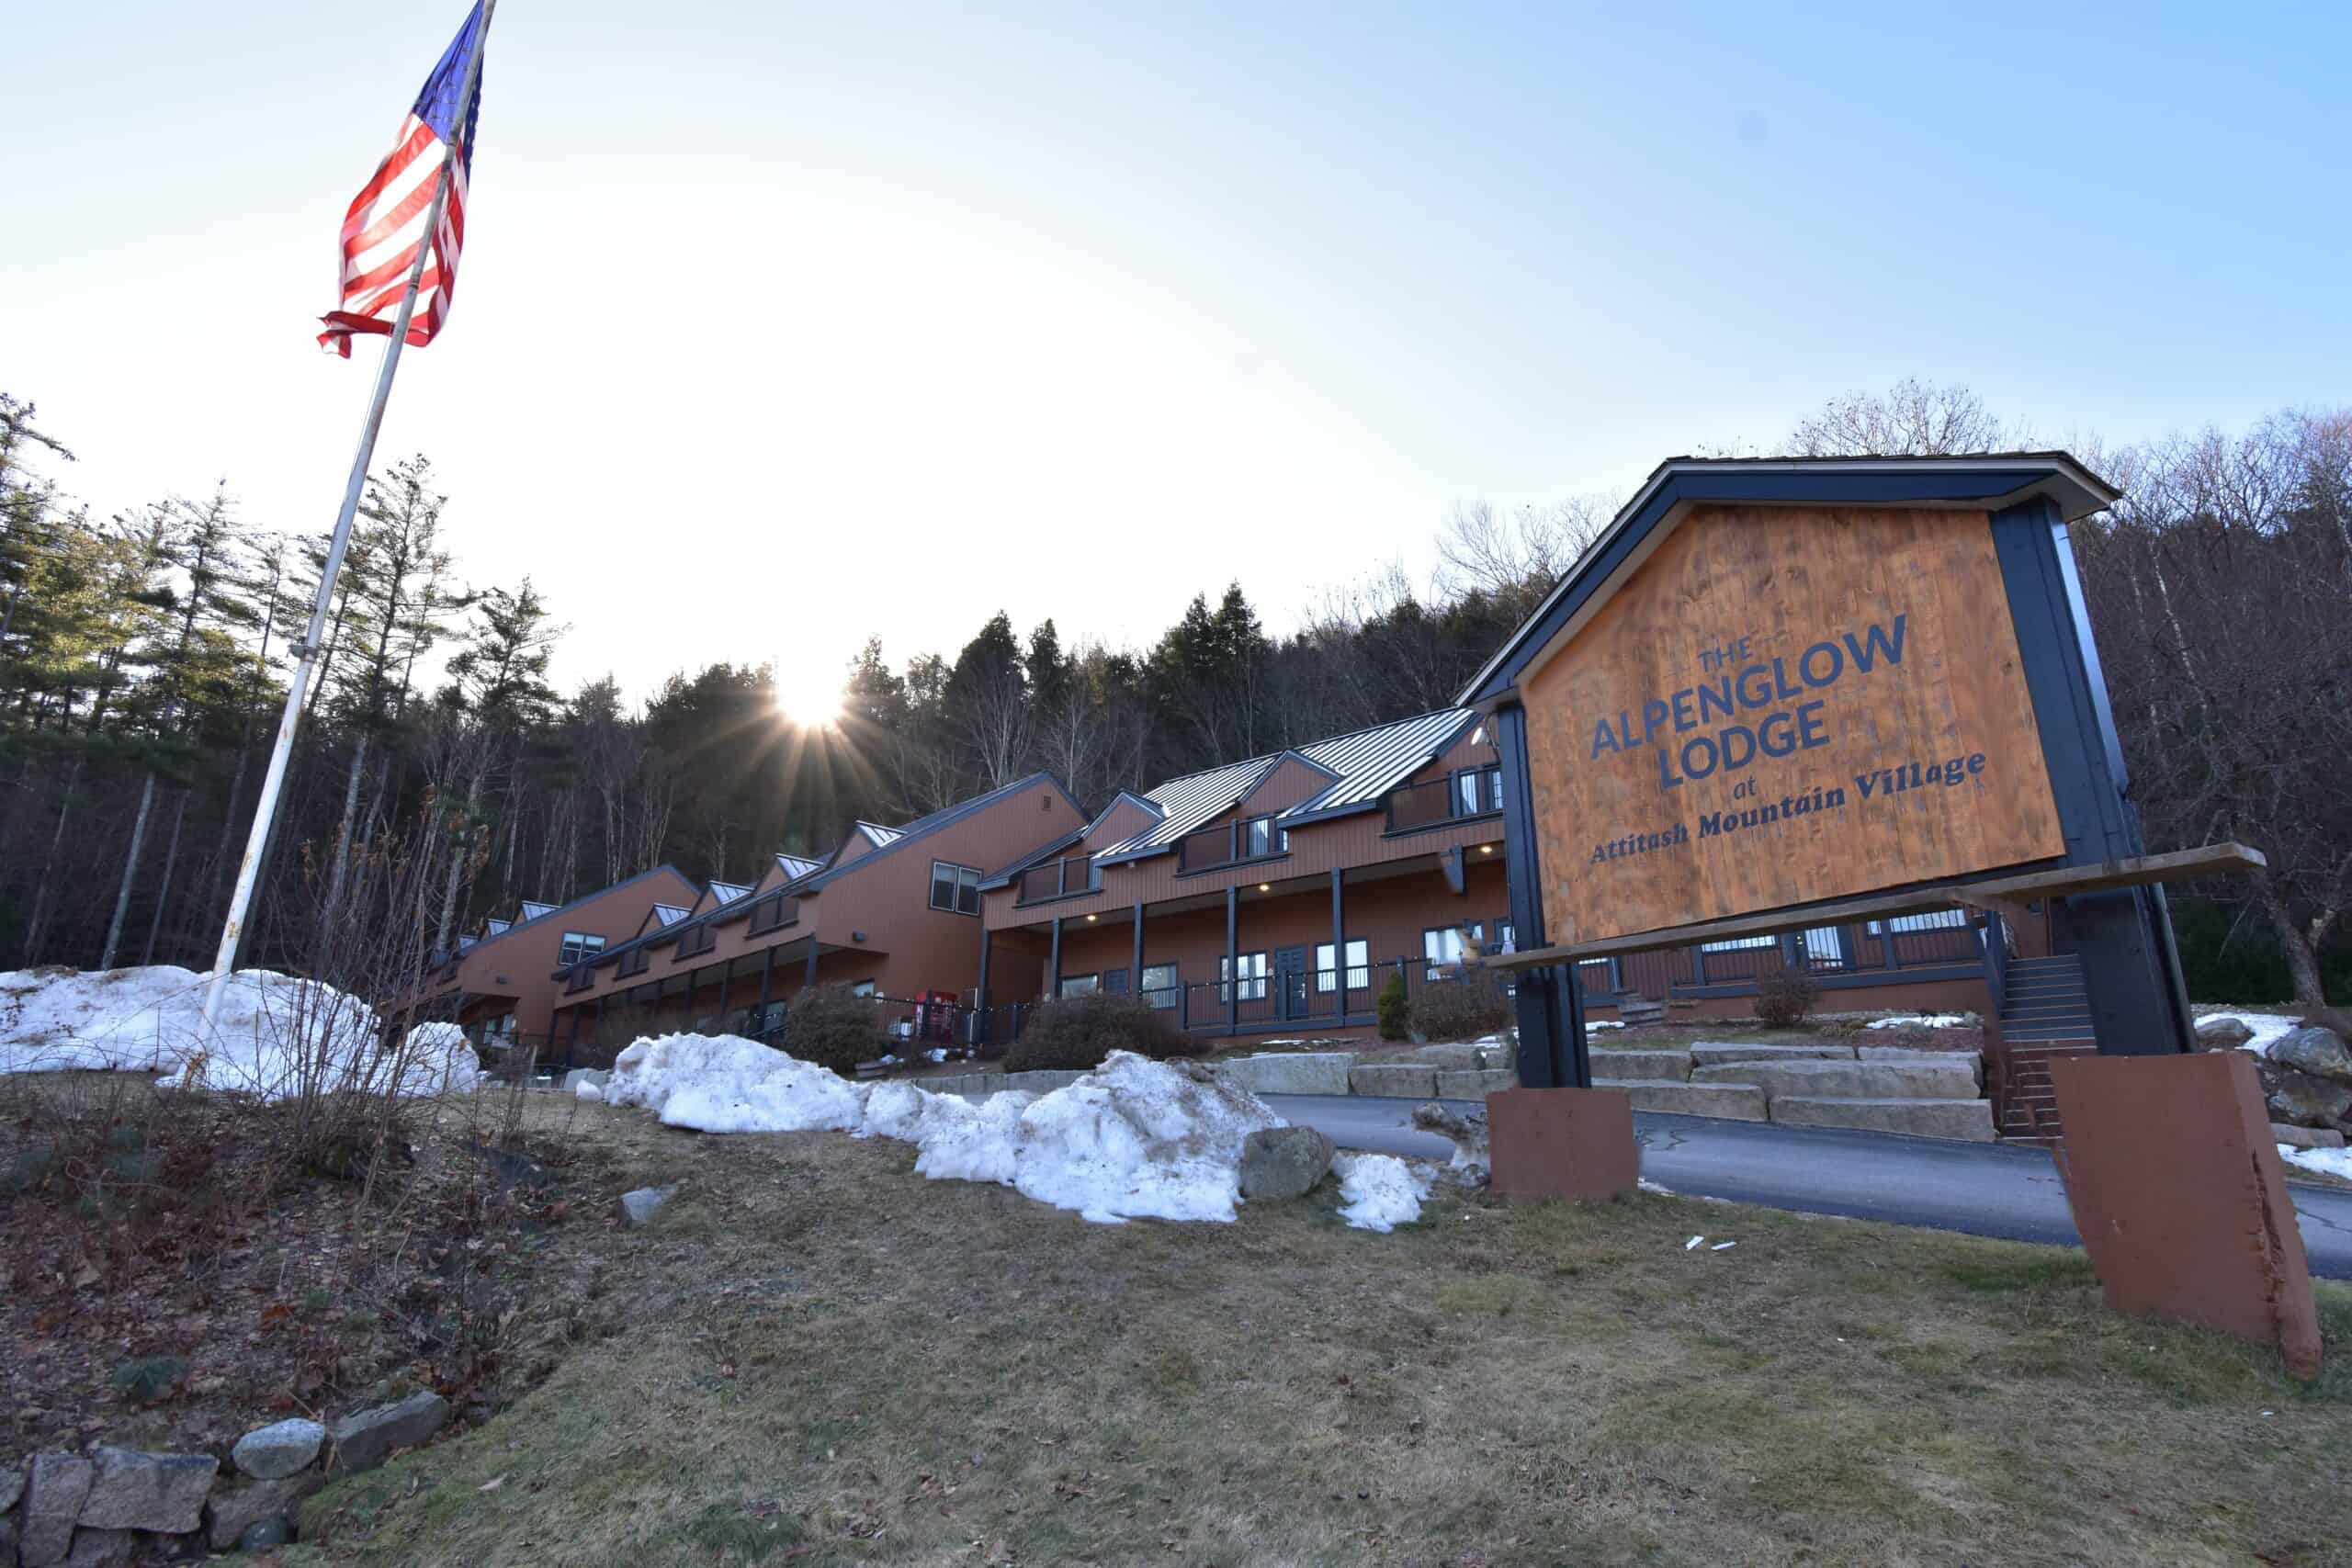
(1785, 996)
(1396, 1009)
(1460, 1009)
(1074, 1033)
(833, 1028)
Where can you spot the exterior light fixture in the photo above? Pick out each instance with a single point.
(1091, 918)
(1486, 849)
(1265, 888)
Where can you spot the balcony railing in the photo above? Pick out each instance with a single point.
(1060, 879)
(1255, 839)
(580, 978)
(773, 912)
(633, 963)
(1450, 799)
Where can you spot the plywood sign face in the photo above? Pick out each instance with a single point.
(1785, 704)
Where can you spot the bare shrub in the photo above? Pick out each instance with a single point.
(1785, 996)
(1467, 1009)
(1075, 1033)
(833, 1027)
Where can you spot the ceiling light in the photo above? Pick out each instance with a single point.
(1090, 919)
(1483, 848)
(1265, 888)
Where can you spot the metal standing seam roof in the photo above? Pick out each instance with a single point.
(878, 833)
(728, 892)
(795, 867)
(1369, 762)
(670, 914)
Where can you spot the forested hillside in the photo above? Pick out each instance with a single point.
(142, 661)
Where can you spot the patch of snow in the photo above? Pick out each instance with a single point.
(973, 1141)
(1593, 1024)
(274, 1035)
(1137, 1139)
(2269, 1027)
(1379, 1192)
(2327, 1162)
(1692, 1244)
(1919, 1020)
(584, 1089)
(727, 1084)
(937, 1054)
(1721, 1245)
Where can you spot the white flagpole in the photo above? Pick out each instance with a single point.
(266, 808)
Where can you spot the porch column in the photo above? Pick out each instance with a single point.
(1135, 959)
(726, 987)
(809, 970)
(1054, 964)
(1232, 961)
(767, 981)
(1338, 953)
(982, 998)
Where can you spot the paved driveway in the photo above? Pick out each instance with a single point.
(1996, 1190)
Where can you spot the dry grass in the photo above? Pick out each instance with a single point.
(815, 1355)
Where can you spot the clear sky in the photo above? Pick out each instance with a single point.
(780, 324)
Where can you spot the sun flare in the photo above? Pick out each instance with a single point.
(812, 701)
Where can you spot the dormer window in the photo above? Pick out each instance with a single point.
(579, 945)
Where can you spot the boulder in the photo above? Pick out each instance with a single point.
(2319, 1052)
(1394, 1080)
(1474, 1083)
(279, 1448)
(1280, 1163)
(7, 1540)
(263, 1534)
(638, 1207)
(1974, 1059)
(1737, 1101)
(55, 1491)
(2305, 1137)
(2301, 1100)
(102, 1548)
(1613, 1064)
(2222, 1034)
(1947, 1077)
(365, 1440)
(231, 1511)
(1300, 1072)
(135, 1491)
(577, 1076)
(1473, 1054)
(1966, 1118)
(1710, 1054)
(12, 1486)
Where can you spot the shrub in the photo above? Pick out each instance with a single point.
(1394, 1008)
(1460, 1009)
(833, 1028)
(1074, 1033)
(1784, 996)
(148, 1379)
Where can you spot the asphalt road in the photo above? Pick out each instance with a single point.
(1994, 1190)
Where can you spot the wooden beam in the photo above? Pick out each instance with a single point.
(2174, 866)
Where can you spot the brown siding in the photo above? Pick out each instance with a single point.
(521, 963)
(1121, 822)
(1293, 780)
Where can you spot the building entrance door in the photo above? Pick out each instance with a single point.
(1291, 981)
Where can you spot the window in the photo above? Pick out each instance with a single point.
(1078, 985)
(1359, 965)
(634, 962)
(1938, 920)
(1494, 789)
(772, 911)
(694, 943)
(1738, 944)
(1257, 838)
(955, 889)
(578, 945)
(1252, 973)
(1442, 944)
(863, 989)
(1469, 794)
(1160, 985)
(1825, 945)
(1504, 940)
(1115, 981)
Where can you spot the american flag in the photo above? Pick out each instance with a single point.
(387, 219)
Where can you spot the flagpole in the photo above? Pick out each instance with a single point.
(266, 808)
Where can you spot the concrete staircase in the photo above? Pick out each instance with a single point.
(2045, 1012)
(1880, 1089)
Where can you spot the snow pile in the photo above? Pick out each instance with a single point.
(2268, 1028)
(1137, 1138)
(727, 1084)
(974, 1143)
(1379, 1192)
(2327, 1162)
(1920, 1020)
(274, 1035)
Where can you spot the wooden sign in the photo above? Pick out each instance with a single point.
(1783, 705)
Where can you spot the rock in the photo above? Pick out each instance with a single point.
(1475, 1083)
(1301, 1072)
(2301, 1100)
(7, 1540)
(638, 1207)
(55, 1491)
(1472, 1054)
(279, 1448)
(1394, 1080)
(365, 1440)
(2221, 1034)
(1614, 1064)
(1974, 1059)
(233, 1511)
(2305, 1137)
(1473, 1154)
(1282, 1163)
(12, 1486)
(1947, 1077)
(262, 1534)
(100, 1548)
(1737, 1101)
(1707, 1054)
(1966, 1118)
(135, 1491)
(577, 1076)
(2319, 1052)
